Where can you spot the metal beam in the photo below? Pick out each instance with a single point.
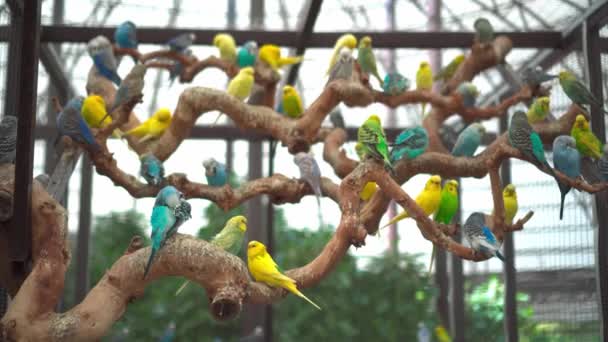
(51, 62)
(314, 7)
(84, 230)
(457, 308)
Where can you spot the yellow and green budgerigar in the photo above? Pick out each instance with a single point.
(539, 110)
(152, 128)
(442, 334)
(370, 187)
(263, 269)
(424, 79)
(448, 71)
(367, 59)
(94, 113)
(448, 205)
(586, 142)
(271, 54)
(428, 200)
(292, 103)
(346, 40)
(227, 46)
(509, 198)
(373, 142)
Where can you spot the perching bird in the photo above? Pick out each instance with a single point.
(151, 169)
(337, 119)
(409, 144)
(125, 35)
(509, 199)
(395, 83)
(131, 87)
(424, 79)
(586, 142)
(247, 54)
(448, 205)
(263, 269)
(166, 218)
(271, 54)
(345, 41)
(95, 115)
(539, 110)
(70, 123)
(442, 334)
(533, 77)
(292, 103)
(373, 140)
(100, 50)
(602, 164)
(367, 59)
(480, 237)
(152, 128)
(8, 139)
(227, 46)
(343, 68)
(523, 137)
(577, 91)
(230, 239)
(240, 86)
(448, 71)
(310, 172)
(468, 92)
(484, 32)
(567, 160)
(181, 42)
(215, 172)
(177, 67)
(428, 200)
(368, 191)
(469, 140)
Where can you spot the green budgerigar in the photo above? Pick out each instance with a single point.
(484, 32)
(577, 92)
(586, 142)
(448, 205)
(373, 140)
(366, 58)
(230, 239)
(539, 110)
(448, 71)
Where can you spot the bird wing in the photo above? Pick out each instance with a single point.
(585, 94)
(161, 220)
(592, 143)
(537, 147)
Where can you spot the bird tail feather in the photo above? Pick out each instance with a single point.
(396, 219)
(181, 288)
(289, 60)
(563, 189)
(432, 259)
(500, 256)
(150, 260)
(301, 295)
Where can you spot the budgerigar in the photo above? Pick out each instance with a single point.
(424, 79)
(523, 137)
(151, 169)
(468, 92)
(484, 32)
(539, 110)
(71, 124)
(95, 114)
(240, 86)
(345, 41)
(567, 160)
(177, 67)
(215, 172)
(167, 216)
(337, 119)
(152, 128)
(263, 269)
(8, 139)
(181, 42)
(409, 144)
(271, 54)
(602, 164)
(230, 239)
(448, 205)
(227, 46)
(395, 83)
(423, 334)
(448, 71)
(125, 35)
(533, 77)
(586, 142)
(577, 91)
(373, 140)
(480, 237)
(367, 59)
(370, 187)
(100, 50)
(131, 87)
(343, 68)
(292, 103)
(428, 200)
(247, 54)
(442, 334)
(509, 199)
(469, 140)
(310, 172)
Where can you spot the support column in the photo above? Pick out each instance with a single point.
(84, 229)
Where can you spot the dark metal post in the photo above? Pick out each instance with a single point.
(457, 320)
(84, 229)
(13, 70)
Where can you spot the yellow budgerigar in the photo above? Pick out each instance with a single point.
(94, 110)
(225, 43)
(263, 269)
(292, 103)
(152, 128)
(424, 79)
(240, 86)
(346, 40)
(271, 54)
(509, 198)
(428, 200)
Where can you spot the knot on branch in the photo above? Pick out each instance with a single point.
(227, 302)
(137, 242)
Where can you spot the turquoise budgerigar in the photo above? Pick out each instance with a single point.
(215, 172)
(125, 35)
(311, 173)
(367, 59)
(181, 42)
(373, 140)
(177, 67)
(577, 91)
(131, 87)
(409, 144)
(151, 169)
(484, 32)
(395, 83)
(247, 54)
(8, 139)
(100, 50)
(343, 68)
(567, 160)
(169, 212)
(71, 123)
(523, 137)
(480, 237)
(468, 92)
(469, 140)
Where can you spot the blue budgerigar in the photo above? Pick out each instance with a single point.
(151, 169)
(468, 92)
(177, 67)
(181, 42)
(131, 87)
(125, 35)
(169, 212)
(100, 50)
(409, 144)
(215, 172)
(480, 237)
(8, 139)
(71, 123)
(567, 160)
(311, 173)
(469, 140)
(395, 83)
(247, 54)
